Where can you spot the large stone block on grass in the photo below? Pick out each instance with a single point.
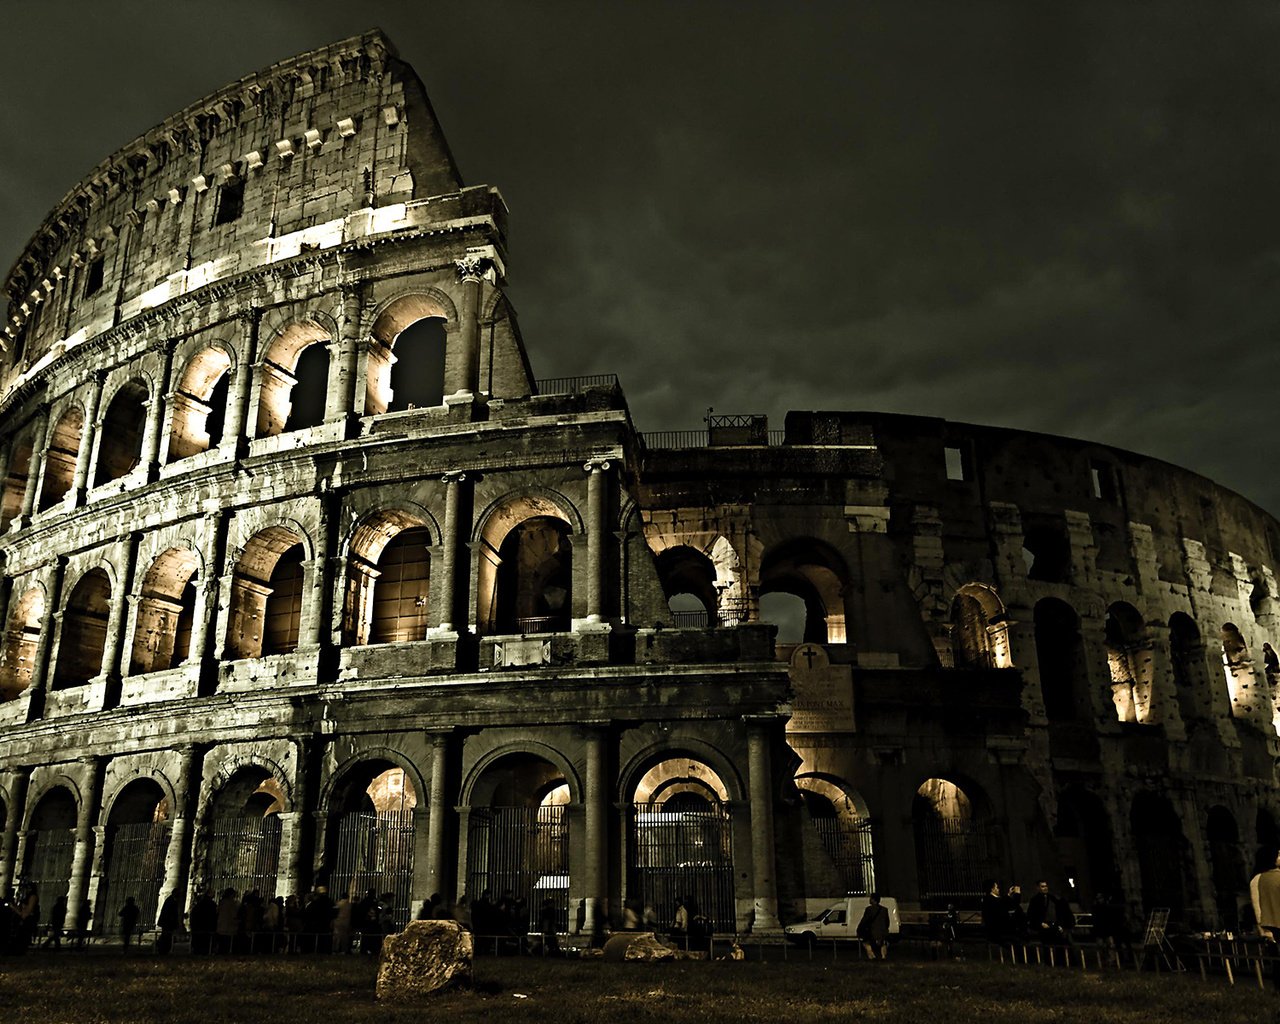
(637, 946)
(426, 957)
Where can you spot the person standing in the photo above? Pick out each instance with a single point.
(169, 921)
(57, 921)
(1049, 917)
(995, 917)
(129, 915)
(873, 929)
(1264, 893)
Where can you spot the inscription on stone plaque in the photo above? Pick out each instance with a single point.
(823, 699)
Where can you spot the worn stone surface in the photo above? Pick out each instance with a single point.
(426, 957)
(637, 946)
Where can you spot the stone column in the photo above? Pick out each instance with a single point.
(761, 798)
(80, 480)
(293, 860)
(595, 881)
(156, 406)
(446, 621)
(340, 399)
(17, 779)
(35, 469)
(206, 588)
(462, 360)
(44, 645)
(86, 815)
(597, 488)
(438, 810)
(177, 858)
(235, 434)
(115, 619)
(315, 620)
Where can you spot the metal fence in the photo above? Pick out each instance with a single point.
(671, 439)
(135, 867)
(848, 844)
(954, 857)
(681, 853)
(691, 620)
(542, 624)
(523, 851)
(244, 854)
(575, 385)
(48, 865)
(375, 852)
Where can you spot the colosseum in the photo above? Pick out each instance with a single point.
(307, 580)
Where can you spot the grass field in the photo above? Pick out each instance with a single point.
(86, 989)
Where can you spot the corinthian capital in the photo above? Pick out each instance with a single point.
(474, 267)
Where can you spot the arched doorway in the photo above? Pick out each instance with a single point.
(689, 582)
(266, 595)
(60, 458)
(120, 449)
(1162, 852)
(815, 573)
(137, 840)
(406, 355)
(388, 580)
(518, 845)
(370, 830)
(1083, 836)
(21, 639)
(1226, 860)
(844, 830)
(166, 613)
(682, 843)
(51, 844)
(242, 841)
(955, 848)
(1060, 656)
(199, 404)
(84, 631)
(979, 628)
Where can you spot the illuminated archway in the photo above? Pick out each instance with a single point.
(84, 631)
(60, 457)
(120, 448)
(137, 841)
(199, 404)
(21, 640)
(407, 354)
(815, 573)
(166, 612)
(294, 378)
(266, 595)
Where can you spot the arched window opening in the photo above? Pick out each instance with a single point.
(242, 847)
(1226, 859)
(1186, 657)
(417, 370)
(120, 449)
(1129, 662)
(137, 840)
(816, 574)
(266, 595)
(979, 629)
(1238, 668)
(51, 842)
(166, 610)
(15, 483)
(406, 356)
(200, 405)
(955, 850)
(790, 614)
(84, 631)
(844, 832)
(294, 381)
(689, 581)
(21, 639)
(283, 618)
(60, 458)
(1047, 551)
(1163, 852)
(518, 845)
(370, 836)
(535, 577)
(682, 843)
(402, 590)
(1084, 840)
(1060, 656)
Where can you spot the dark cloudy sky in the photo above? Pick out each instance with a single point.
(1056, 217)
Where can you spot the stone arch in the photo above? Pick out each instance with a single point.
(122, 427)
(1190, 673)
(525, 563)
(391, 320)
(236, 763)
(1128, 662)
(21, 641)
(979, 628)
(687, 573)
(135, 845)
(816, 573)
(470, 790)
(21, 449)
(837, 815)
(166, 607)
(61, 452)
(45, 786)
(280, 376)
(633, 772)
(388, 566)
(956, 849)
(1226, 866)
(198, 405)
(1061, 660)
(51, 829)
(83, 639)
(1163, 853)
(238, 846)
(1237, 666)
(392, 756)
(267, 592)
(1086, 846)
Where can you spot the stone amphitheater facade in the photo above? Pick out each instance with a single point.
(306, 580)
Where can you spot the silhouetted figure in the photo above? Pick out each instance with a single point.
(228, 920)
(873, 929)
(995, 916)
(204, 923)
(549, 927)
(129, 915)
(57, 921)
(168, 921)
(84, 919)
(1049, 917)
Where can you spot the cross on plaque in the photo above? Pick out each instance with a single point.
(809, 654)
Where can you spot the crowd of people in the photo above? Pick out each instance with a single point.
(1048, 918)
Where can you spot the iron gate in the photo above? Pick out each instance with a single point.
(135, 867)
(848, 844)
(954, 857)
(375, 852)
(680, 853)
(49, 854)
(524, 851)
(244, 854)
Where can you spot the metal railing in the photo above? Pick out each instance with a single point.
(672, 439)
(691, 620)
(542, 624)
(574, 385)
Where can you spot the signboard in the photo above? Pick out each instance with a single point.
(823, 700)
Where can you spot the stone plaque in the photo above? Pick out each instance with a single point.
(823, 699)
(524, 651)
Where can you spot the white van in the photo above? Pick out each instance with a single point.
(840, 921)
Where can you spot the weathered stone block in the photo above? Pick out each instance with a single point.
(426, 957)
